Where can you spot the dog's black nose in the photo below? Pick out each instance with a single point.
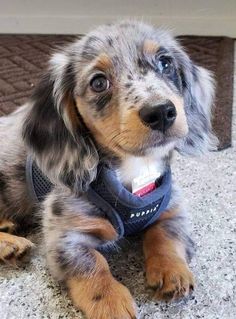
(158, 117)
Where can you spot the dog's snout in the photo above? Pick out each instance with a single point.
(158, 117)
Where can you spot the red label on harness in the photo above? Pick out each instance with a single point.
(145, 184)
(146, 189)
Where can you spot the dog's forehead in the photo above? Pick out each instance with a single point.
(122, 34)
(125, 40)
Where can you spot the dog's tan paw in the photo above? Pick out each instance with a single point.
(119, 304)
(170, 277)
(7, 226)
(112, 302)
(13, 248)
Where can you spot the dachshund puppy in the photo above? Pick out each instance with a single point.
(111, 108)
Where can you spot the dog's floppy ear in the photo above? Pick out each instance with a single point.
(198, 91)
(54, 130)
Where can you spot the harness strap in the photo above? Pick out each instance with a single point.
(128, 213)
(38, 184)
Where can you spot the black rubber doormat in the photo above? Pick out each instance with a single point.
(23, 57)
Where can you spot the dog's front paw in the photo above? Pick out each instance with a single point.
(7, 226)
(113, 301)
(13, 248)
(116, 304)
(170, 277)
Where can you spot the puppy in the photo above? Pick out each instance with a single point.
(121, 99)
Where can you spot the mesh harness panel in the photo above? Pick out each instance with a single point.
(128, 213)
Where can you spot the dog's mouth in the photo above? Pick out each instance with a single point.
(137, 139)
(145, 147)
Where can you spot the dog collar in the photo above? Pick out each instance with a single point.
(128, 213)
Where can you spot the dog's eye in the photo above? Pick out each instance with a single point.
(99, 83)
(165, 65)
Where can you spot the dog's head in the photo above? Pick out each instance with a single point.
(124, 89)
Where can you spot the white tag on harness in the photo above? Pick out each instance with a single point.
(142, 185)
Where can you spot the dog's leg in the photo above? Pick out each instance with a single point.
(72, 235)
(98, 294)
(13, 247)
(167, 248)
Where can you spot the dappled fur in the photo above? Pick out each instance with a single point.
(66, 156)
(69, 130)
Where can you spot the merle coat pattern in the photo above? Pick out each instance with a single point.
(88, 109)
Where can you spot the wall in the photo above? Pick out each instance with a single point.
(209, 17)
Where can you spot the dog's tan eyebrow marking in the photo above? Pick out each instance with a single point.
(103, 62)
(150, 47)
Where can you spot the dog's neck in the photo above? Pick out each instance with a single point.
(132, 167)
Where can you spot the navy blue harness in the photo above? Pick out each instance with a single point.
(127, 212)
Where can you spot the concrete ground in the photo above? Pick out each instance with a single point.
(209, 186)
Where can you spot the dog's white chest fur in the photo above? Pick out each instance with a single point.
(133, 167)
